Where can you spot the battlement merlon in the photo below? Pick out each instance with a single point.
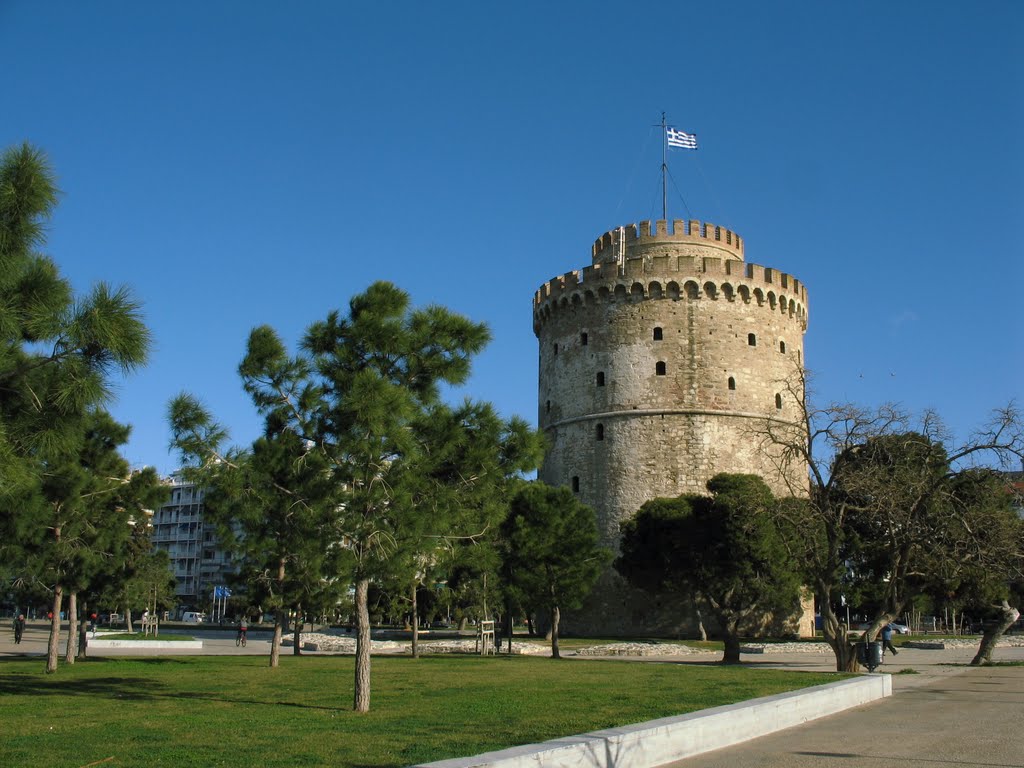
(646, 236)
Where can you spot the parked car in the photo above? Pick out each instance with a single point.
(193, 617)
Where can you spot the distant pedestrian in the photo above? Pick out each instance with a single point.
(887, 640)
(19, 628)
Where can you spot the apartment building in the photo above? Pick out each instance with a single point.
(197, 559)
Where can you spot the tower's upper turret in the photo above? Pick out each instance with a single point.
(685, 238)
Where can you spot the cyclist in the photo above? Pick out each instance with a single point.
(243, 628)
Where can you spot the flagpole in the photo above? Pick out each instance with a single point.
(664, 168)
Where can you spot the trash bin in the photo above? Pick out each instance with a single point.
(870, 654)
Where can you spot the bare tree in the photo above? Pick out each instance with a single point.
(877, 498)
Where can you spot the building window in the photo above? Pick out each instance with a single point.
(782, 346)
(778, 401)
(751, 340)
(583, 339)
(659, 368)
(575, 484)
(547, 407)
(600, 378)
(732, 384)
(599, 432)
(556, 349)
(658, 334)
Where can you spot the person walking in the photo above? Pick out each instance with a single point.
(19, 628)
(887, 641)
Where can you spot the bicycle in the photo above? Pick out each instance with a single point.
(240, 639)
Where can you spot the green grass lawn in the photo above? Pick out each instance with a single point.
(235, 711)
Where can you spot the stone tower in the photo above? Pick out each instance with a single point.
(657, 362)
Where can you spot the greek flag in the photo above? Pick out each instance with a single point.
(681, 139)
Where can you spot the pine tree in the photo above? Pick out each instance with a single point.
(57, 354)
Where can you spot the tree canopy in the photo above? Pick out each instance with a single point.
(407, 475)
(886, 503)
(59, 468)
(552, 552)
(725, 549)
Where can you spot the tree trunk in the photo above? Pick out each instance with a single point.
(69, 651)
(297, 633)
(555, 616)
(732, 648)
(992, 635)
(509, 626)
(52, 646)
(415, 625)
(83, 632)
(275, 643)
(128, 620)
(700, 627)
(362, 682)
(279, 616)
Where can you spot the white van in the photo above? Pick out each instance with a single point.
(193, 617)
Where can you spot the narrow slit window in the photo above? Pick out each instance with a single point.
(658, 334)
(778, 401)
(782, 346)
(556, 349)
(600, 378)
(547, 407)
(575, 484)
(751, 340)
(659, 368)
(732, 384)
(583, 339)
(599, 432)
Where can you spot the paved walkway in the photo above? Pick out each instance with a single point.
(969, 717)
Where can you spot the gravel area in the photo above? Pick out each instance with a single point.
(331, 643)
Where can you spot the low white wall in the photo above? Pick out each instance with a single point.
(154, 644)
(658, 742)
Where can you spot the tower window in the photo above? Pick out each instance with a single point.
(547, 407)
(732, 384)
(583, 339)
(657, 334)
(659, 368)
(599, 432)
(778, 401)
(782, 346)
(751, 340)
(600, 378)
(556, 349)
(575, 483)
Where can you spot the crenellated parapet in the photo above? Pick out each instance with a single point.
(634, 240)
(668, 276)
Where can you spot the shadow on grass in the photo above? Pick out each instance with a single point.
(129, 689)
(110, 687)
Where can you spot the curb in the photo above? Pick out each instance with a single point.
(658, 742)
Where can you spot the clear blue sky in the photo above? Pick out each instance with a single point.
(242, 163)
